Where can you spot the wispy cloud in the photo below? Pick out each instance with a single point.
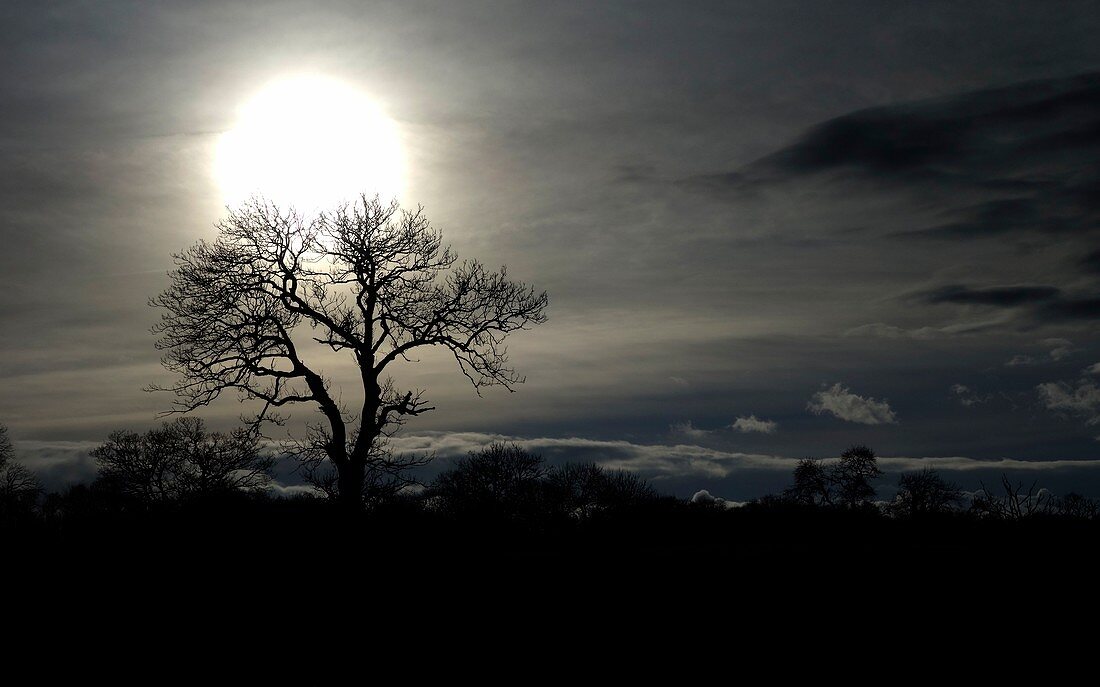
(1081, 398)
(689, 430)
(966, 395)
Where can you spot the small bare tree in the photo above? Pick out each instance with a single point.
(923, 493)
(582, 490)
(19, 487)
(501, 480)
(812, 484)
(845, 483)
(180, 460)
(1014, 504)
(367, 279)
(1077, 507)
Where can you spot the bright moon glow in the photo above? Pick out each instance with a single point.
(310, 142)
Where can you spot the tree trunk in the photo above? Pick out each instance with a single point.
(350, 484)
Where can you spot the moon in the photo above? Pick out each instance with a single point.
(310, 142)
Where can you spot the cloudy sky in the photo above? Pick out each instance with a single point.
(768, 229)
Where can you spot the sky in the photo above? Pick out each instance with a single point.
(769, 230)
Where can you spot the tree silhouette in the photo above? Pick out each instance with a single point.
(367, 279)
(501, 480)
(845, 483)
(812, 484)
(1014, 504)
(581, 490)
(1074, 505)
(923, 493)
(852, 476)
(19, 488)
(181, 460)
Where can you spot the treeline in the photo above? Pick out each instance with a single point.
(181, 467)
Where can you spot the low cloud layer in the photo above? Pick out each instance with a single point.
(839, 402)
(61, 464)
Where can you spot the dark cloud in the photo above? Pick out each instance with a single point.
(1086, 308)
(993, 218)
(997, 296)
(980, 137)
(1033, 304)
(1027, 153)
(1091, 262)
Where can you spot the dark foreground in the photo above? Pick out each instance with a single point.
(281, 551)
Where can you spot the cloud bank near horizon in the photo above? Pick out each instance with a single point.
(60, 464)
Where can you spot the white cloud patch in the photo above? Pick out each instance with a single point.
(688, 430)
(1093, 369)
(705, 497)
(291, 490)
(679, 381)
(842, 403)
(1081, 399)
(754, 424)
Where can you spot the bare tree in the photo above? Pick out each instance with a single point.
(501, 480)
(845, 483)
(180, 460)
(582, 490)
(852, 476)
(19, 487)
(1014, 504)
(369, 280)
(812, 484)
(1076, 506)
(925, 492)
